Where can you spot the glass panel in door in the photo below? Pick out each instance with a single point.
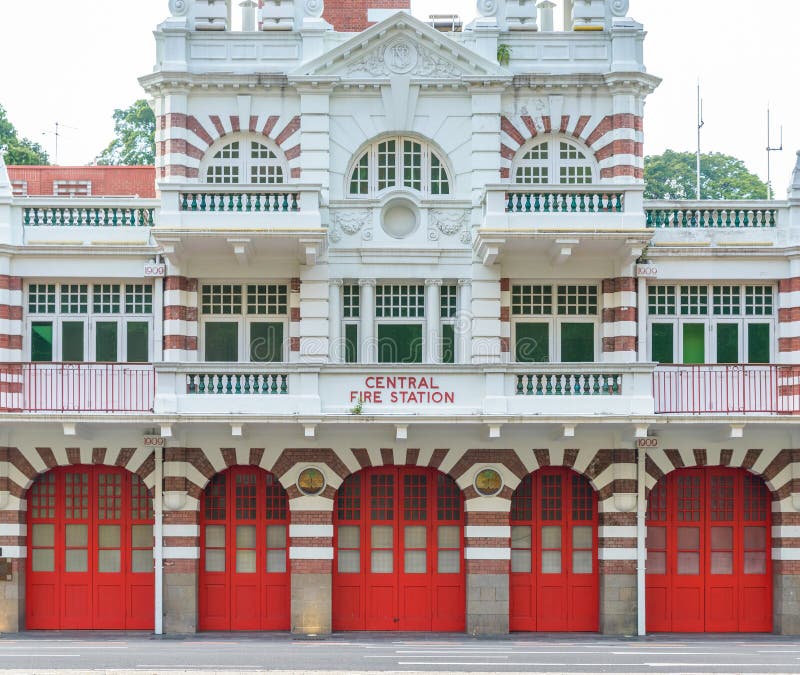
(694, 343)
(105, 341)
(727, 343)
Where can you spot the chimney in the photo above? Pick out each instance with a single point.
(350, 16)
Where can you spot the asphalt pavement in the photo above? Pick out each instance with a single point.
(282, 654)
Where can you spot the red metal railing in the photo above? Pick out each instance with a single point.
(698, 389)
(76, 387)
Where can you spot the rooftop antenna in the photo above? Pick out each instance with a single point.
(770, 150)
(57, 133)
(700, 124)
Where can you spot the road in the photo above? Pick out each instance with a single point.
(360, 653)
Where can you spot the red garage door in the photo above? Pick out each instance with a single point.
(244, 565)
(399, 552)
(554, 553)
(90, 561)
(708, 544)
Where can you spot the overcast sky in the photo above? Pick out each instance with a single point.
(75, 61)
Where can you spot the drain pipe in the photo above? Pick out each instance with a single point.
(641, 552)
(158, 531)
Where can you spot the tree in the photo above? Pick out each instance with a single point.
(135, 142)
(673, 175)
(18, 150)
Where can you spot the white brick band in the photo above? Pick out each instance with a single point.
(488, 531)
(310, 530)
(475, 553)
(311, 552)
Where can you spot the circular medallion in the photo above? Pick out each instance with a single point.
(400, 57)
(399, 218)
(488, 482)
(311, 481)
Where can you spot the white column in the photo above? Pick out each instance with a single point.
(158, 536)
(433, 320)
(641, 551)
(641, 318)
(335, 344)
(464, 322)
(369, 345)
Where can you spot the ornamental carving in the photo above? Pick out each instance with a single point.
(403, 57)
(619, 7)
(487, 7)
(449, 223)
(313, 8)
(350, 222)
(400, 57)
(178, 7)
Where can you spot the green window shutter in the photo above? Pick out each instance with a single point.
(532, 343)
(138, 342)
(577, 342)
(72, 340)
(727, 343)
(758, 343)
(400, 343)
(351, 343)
(222, 341)
(266, 341)
(662, 340)
(105, 341)
(42, 341)
(694, 343)
(448, 343)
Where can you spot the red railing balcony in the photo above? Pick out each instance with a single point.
(725, 389)
(77, 387)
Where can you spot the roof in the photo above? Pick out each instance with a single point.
(94, 181)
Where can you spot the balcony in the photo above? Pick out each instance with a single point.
(76, 387)
(727, 389)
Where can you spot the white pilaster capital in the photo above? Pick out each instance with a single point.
(433, 282)
(465, 282)
(367, 282)
(336, 282)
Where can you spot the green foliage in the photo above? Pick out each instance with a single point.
(503, 54)
(673, 175)
(18, 150)
(135, 142)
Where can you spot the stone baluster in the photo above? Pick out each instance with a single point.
(546, 22)
(248, 15)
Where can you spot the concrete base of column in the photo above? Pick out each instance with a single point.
(487, 604)
(618, 604)
(786, 598)
(180, 596)
(311, 603)
(12, 599)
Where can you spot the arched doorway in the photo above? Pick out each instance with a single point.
(708, 552)
(90, 551)
(554, 580)
(244, 581)
(398, 548)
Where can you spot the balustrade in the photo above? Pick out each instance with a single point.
(710, 217)
(91, 216)
(524, 201)
(240, 202)
(237, 383)
(569, 384)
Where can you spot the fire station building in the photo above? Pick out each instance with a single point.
(389, 339)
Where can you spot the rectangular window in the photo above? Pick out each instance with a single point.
(351, 343)
(758, 300)
(351, 301)
(758, 343)
(727, 342)
(532, 342)
(106, 298)
(222, 299)
(694, 300)
(406, 301)
(267, 299)
(74, 298)
(72, 340)
(266, 341)
(661, 300)
(577, 300)
(662, 340)
(577, 342)
(105, 337)
(412, 165)
(221, 341)
(531, 300)
(138, 298)
(387, 164)
(359, 180)
(448, 343)
(449, 302)
(727, 301)
(399, 343)
(694, 343)
(42, 299)
(137, 342)
(41, 341)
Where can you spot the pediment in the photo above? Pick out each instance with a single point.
(400, 46)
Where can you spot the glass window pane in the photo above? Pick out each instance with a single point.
(722, 538)
(656, 562)
(582, 562)
(138, 342)
(42, 341)
(266, 342)
(415, 562)
(520, 536)
(276, 536)
(721, 562)
(245, 536)
(448, 343)
(448, 536)
(72, 341)
(656, 537)
(521, 560)
(276, 561)
(349, 536)
(727, 343)
(551, 562)
(215, 536)
(142, 561)
(415, 536)
(758, 343)
(661, 342)
(222, 341)
(43, 560)
(108, 536)
(142, 536)
(689, 538)
(400, 343)
(551, 536)
(215, 560)
(582, 536)
(351, 343)
(694, 343)
(755, 562)
(577, 342)
(688, 563)
(349, 562)
(449, 562)
(76, 560)
(108, 561)
(44, 535)
(77, 535)
(245, 561)
(382, 536)
(382, 562)
(755, 538)
(105, 341)
(532, 342)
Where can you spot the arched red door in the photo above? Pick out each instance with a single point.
(398, 542)
(244, 562)
(554, 580)
(708, 553)
(90, 558)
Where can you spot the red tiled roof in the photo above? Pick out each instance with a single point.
(107, 181)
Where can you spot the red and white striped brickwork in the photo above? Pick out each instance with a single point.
(789, 320)
(294, 317)
(10, 319)
(180, 319)
(505, 318)
(183, 140)
(619, 319)
(616, 141)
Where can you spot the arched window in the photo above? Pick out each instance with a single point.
(245, 160)
(398, 162)
(553, 161)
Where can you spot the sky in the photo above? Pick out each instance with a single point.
(74, 62)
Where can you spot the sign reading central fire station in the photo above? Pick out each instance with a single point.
(408, 389)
